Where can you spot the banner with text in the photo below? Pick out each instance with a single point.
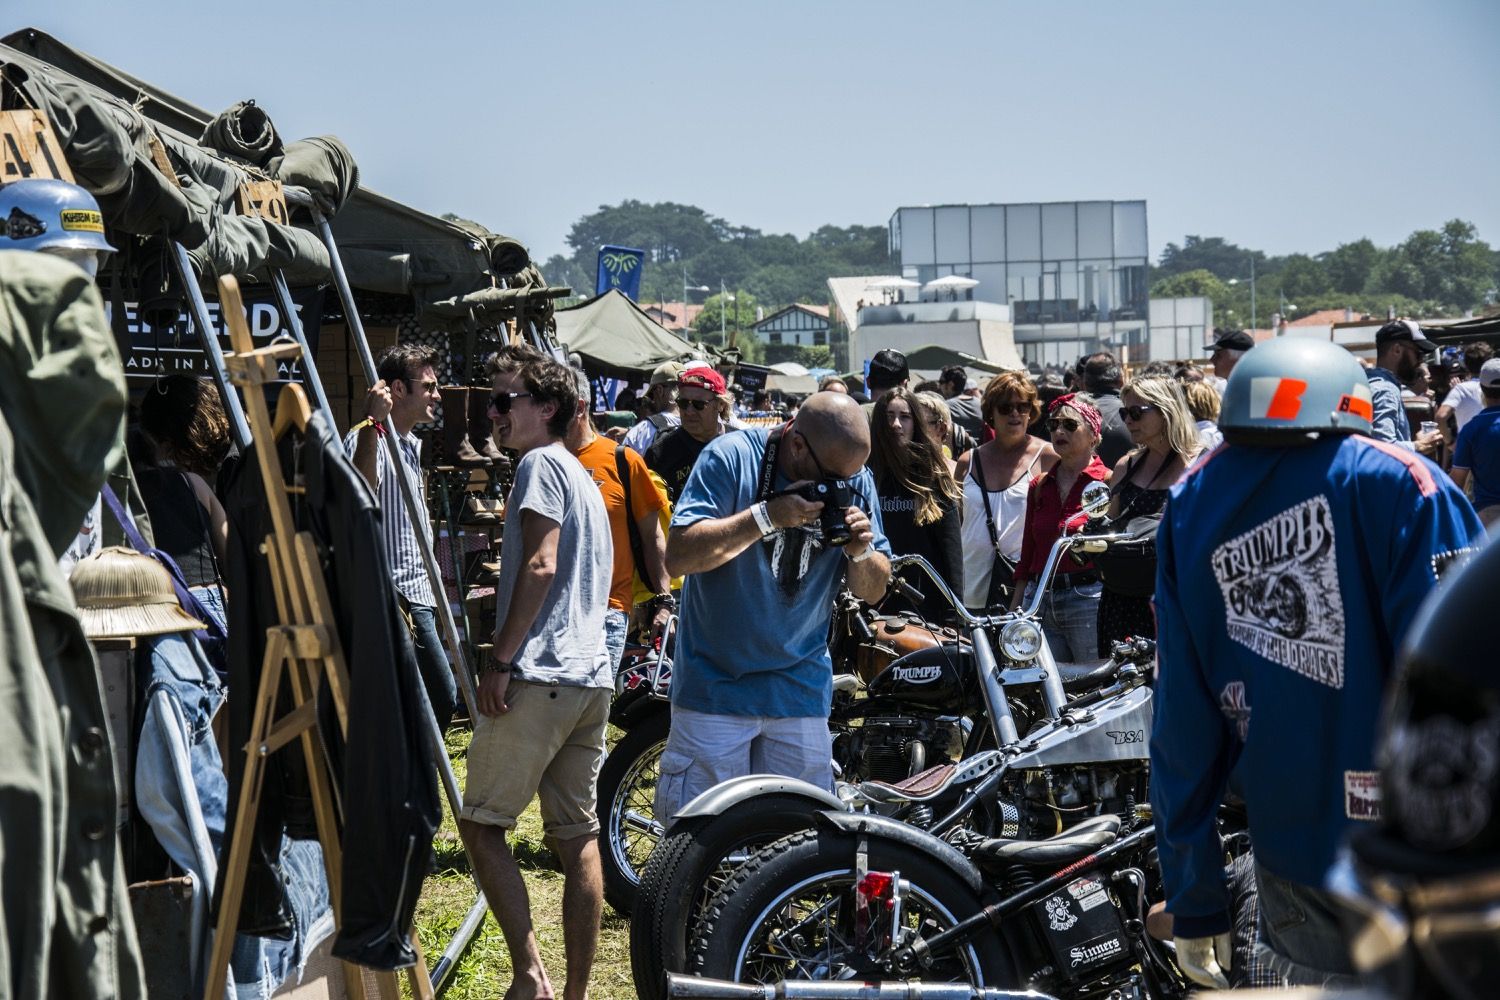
(156, 352)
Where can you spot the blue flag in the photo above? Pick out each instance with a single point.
(620, 267)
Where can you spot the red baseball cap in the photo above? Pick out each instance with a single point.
(703, 378)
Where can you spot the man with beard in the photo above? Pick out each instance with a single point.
(1400, 347)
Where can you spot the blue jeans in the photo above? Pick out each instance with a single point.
(1070, 618)
(616, 625)
(1301, 935)
(211, 596)
(432, 661)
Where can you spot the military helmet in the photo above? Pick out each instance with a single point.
(52, 216)
(1293, 387)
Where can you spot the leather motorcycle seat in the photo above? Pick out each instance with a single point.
(1085, 673)
(1068, 846)
(918, 786)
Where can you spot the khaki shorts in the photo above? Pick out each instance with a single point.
(551, 744)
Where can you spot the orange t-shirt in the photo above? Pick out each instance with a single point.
(598, 458)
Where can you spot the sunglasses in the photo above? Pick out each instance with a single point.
(428, 386)
(501, 401)
(1136, 412)
(696, 405)
(1067, 424)
(1006, 409)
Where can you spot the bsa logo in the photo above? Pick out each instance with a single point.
(919, 675)
(1059, 916)
(1122, 737)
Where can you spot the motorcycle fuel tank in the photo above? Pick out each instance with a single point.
(942, 677)
(1116, 729)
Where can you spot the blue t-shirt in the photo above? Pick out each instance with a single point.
(744, 646)
(1478, 450)
(1286, 580)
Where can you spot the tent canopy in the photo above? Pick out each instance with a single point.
(387, 247)
(934, 358)
(616, 338)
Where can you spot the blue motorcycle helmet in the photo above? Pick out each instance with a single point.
(1292, 390)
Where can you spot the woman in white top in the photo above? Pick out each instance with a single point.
(996, 477)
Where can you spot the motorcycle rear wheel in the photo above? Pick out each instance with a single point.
(627, 788)
(688, 866)
(786, 913)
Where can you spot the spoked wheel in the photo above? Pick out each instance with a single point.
(628, 830)
(696, 858)
(793, 912)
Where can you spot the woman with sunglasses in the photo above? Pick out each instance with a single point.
(995, 478)
(1070, 609)
(919, 499)
(1166, 442)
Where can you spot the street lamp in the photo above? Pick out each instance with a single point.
(1236, 281)
(723, 298)
(685, 290)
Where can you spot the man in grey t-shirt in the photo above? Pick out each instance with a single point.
(544, 694)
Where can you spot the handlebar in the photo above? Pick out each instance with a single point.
(1063, 544)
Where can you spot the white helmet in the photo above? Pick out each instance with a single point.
(1290, 388)
(53, 217)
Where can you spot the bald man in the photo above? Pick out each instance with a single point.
(752, 681)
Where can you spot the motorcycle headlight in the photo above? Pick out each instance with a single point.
(1021, 640)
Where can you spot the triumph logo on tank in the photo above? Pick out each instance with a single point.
(919, 675)
(1281, 592)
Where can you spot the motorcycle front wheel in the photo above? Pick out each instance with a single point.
(792, 913)
(627, 821)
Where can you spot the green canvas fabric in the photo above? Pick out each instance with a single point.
(616, 338)
(324, 166)
(244, 131)
(67, 926)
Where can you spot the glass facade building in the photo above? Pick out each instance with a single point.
(1073, 273)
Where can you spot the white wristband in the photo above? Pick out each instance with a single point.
(866, 554)
(762, 516)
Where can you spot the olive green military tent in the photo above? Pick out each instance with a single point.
(616, 338)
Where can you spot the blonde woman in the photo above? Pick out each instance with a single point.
(933, 414)
(1166, 442)
(1203, 402)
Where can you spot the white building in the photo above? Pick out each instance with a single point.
(800, 325)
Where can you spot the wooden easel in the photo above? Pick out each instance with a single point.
(304, 649)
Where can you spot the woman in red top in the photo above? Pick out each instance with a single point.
(1070, 609)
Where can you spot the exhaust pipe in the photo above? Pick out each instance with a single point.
(679, 985)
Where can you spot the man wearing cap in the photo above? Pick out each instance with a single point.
(703, 403)
(662, 395)
(1225, 352)
(1465, 399)
(752, 681)
(1400, 347)
(1478, 451)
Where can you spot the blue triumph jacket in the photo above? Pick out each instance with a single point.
(1286, 578)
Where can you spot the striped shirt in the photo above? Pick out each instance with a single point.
(395, 527)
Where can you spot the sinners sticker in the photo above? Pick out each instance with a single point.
(1281, 592)
(1095, 950)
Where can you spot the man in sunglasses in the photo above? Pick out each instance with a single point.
(752, 683)
(703, 403)
(1400, 347)
(406, 391)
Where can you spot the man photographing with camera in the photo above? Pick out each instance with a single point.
(766, 530)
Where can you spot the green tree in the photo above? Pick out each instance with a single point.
(1349, 265)
(1301, 277)
(1212, 253)
(1190, 284)
(737, 314)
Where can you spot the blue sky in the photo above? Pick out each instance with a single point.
(1287, 126)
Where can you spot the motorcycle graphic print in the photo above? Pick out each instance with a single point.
(1281, 592)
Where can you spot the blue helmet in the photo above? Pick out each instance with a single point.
(53, 216)
(1293, 387)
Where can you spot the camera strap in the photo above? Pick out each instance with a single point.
(790, 550)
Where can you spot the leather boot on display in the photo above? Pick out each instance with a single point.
(456, 447)
(479, 426)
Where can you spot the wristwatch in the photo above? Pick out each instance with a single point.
(495, 666)
(659, 601)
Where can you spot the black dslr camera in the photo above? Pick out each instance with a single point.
(837, 497)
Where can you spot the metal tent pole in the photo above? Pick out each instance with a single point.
(210, 337)
(294, 321)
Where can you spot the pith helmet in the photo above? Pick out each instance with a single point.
(1292, 387)
(122, 593)
(51, 215)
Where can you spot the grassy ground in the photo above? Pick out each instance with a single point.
(447, 895)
